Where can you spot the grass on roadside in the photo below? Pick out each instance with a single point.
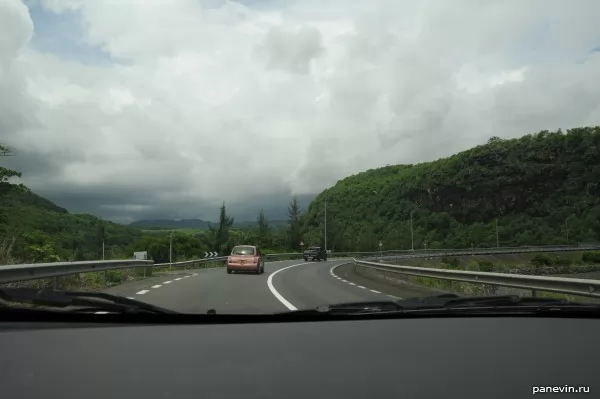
(472, 289)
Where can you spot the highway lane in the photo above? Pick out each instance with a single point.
(312, 284)
(285, 285)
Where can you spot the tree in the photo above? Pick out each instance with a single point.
(295, 226)
(264, 230)
(217, 238)
(100, 238)
(7, 174)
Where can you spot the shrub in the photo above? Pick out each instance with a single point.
(485, 266)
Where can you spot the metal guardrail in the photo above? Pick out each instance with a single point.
(25, 272)
(35, 271)
(482, 251)
(563, 285)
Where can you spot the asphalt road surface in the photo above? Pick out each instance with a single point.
(285, 285)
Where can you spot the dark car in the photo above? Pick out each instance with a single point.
(315, 253)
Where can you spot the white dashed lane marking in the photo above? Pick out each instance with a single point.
(142, 292)
(358, 286)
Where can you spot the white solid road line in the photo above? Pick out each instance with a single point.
(142, 292)
(277, 294)
(157, 286)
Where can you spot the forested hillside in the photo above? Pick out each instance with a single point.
(36, 230)
(540, 189)
(33, 229)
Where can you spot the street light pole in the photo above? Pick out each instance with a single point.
(325, 225)
(412, 235)
(497, 237)
(170, 249)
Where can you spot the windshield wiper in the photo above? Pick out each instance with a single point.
(367, 307)
(447, 302)
(453, 301)
(85, 301)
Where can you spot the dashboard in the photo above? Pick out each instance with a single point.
(470, 357)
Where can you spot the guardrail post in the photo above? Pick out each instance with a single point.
(56, 283)
(105, 278)
(533, 292)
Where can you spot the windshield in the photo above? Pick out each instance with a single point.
(168, 143)
(243, 251)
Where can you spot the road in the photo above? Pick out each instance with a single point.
(285, 285)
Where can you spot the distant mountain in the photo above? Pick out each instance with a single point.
(195, 224)
(277, 224)
(172, 224)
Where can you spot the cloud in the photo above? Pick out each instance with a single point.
(188, 103)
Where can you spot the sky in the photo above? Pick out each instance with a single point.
(134, 109)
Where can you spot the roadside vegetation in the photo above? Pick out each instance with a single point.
(541, 189)
(585, 264)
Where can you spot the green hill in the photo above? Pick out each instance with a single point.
(33, 229)
(541, 189)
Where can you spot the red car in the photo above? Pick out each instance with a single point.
(246, 258)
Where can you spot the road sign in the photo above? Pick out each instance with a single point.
(380, 244)
(301, 243)
(140, 255)
(210, 254)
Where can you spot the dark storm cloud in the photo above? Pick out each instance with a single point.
(278, 98)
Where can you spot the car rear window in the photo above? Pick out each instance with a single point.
(243, 251)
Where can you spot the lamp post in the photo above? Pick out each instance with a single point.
(412, 235)
(170, 250)
(325, 233)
